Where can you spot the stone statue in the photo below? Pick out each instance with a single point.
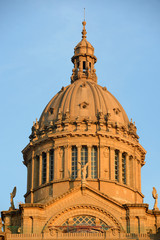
(155, 196)
(12, 195)
(83, 171)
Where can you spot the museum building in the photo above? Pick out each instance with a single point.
(83, 164)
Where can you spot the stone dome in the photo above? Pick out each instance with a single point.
(84, 125)
(84, 100)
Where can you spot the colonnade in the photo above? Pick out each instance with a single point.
(107, 163)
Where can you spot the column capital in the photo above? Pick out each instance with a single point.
(90, 146)
(79, 146)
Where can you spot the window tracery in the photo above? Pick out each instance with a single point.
(116, 164)
(84, 223)
(123, 168)
(44, 167)
(74, 162)
(51, 165)
(94, 162)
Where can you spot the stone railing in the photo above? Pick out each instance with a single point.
(79, 236)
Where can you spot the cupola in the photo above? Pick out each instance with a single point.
(84, 59)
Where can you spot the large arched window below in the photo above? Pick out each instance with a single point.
(94, 162)
(44, 166)
(84, 223)
(74, 162)
(116, 165)
(51, 165)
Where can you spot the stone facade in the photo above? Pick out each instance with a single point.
(83, 126)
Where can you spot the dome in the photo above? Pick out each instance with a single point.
(84, 127)
(84, 100)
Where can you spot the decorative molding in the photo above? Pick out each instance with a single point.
(78, 207)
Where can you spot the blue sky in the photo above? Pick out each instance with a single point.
(37, 40)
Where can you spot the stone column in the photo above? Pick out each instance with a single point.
(105, 162)
(29, 175)
(79, 160)
(40, 169)
(66, 168)
(127, 170)
(130, 170)
(32, 176)
(140, 176)
(47, 167)
(101, 169)
(120, 166)
(111, 164)
(89, 161)
(56, 173)
(134, 172)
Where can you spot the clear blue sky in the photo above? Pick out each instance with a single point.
(37, 40)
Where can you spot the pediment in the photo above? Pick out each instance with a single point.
(83, 201)
(84, 191)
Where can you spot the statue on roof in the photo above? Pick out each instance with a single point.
(155, 196)
(12, 195)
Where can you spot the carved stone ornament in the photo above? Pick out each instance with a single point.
(105, 152)
(116, 110)
(83, 105)
(61, 152)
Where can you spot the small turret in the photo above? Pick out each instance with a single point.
(84, 59)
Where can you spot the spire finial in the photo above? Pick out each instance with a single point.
(84, 24)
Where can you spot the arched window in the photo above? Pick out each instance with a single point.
(116, 165)
(84, 223)
(51, 165)
(74, 162)
(44, 166)
(94, 162)
(124, 168)
(84, 157)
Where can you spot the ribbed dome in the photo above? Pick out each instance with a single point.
(84, 99)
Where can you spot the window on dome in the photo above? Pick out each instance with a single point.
(84, 157)
(124, 168)
(94, 162)
(116, 165)
(74, 162)
(51, 165)
(44, 166)
(90, 66)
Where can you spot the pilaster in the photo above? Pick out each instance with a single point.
(127, 170)
(111, 164)
(56, 169)
(89, 161)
